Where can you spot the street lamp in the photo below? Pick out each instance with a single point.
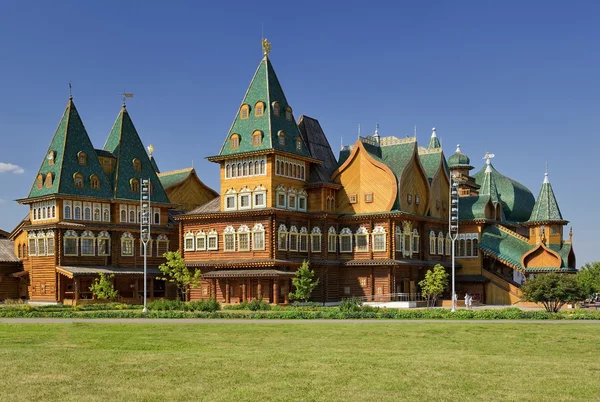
(145, 229)
(453, 231)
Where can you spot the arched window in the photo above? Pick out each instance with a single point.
(20, 255)
(259, 109)
(257, 137)
(244, 111)
(277, 170)
(67, 212)
(315, 240)
(475, 247)
(302, 173)
(244, 169)
(282, 238)
(276, 109)
(123, 215)
(131, 216)
(288, 113)
(239, 169)
(234, 141)
(157, 217)
(432, 243)
(137, 165)
(281, 136)
(415, 241)
(227, 171)
(49, 180)
(134, 185)
(87, 214)
(345, 240)
(44, 213)
(106, 215)
(78, 180)
(293, 242)
(54, 211)
(440, 242)
(331, 240)
(51, 157)
(94, 181)
(293, 170)
(82, 158)
(127, 244)
(448, 244)
(77, 212)
(298, 144)
(39, 181)
(262, 167)
(469, 248)
(97, 214)
(251, 169)
(50, 242)
(258, 237)
(287, 169)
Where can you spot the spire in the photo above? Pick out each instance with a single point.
(266, 46)
(433, 141)
(70, 155)
(546, 207)
(488, 186)
(376, 135)
(125, 144)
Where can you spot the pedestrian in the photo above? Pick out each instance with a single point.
(467, 301)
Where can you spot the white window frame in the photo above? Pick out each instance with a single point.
(160, 240)
(212, 235)
(303, 240)
(200, 238)
(127, 238)
(103, 236)
(448, 248)
(293, 241)
(345, 233)
(123, 208)
(186, 245)
(50, 240)
(258, 231)
(229, 232)
(362, 234)
(69, 235)
(415, 240)
(282, 231)
(245, 232)
(315, 239)
(87, 236)
(65, 205)
(440, 243)
(259, 190)
(41, 240)
(248, 195)
(432, 243)
(379, 231)
(87, 206)
(105, 210)
(77, 204)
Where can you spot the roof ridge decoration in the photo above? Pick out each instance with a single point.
(392, 140)
(546, 207)
(512, 233)
(61, 161)
(434, 142)
(176, 171)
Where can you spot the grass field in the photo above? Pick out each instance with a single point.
(300, 361)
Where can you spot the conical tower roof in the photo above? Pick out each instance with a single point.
(276, 118)
(433, 141)
(546, 207)
(70, 153)
(125, 143)
(488, 185)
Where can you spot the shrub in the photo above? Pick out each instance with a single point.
(259, 304)
(350, 305)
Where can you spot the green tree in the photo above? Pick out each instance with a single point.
(589, 279)
(103, 288)
(303, 283)
(434, 284)
(175, 271)
(552, 290)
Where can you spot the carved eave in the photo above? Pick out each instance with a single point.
(253, 212)
(544, 223)
(96, 226)
(221, 158)
(544, 249)
(502, 260)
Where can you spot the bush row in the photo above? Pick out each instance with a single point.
(300, 313)
(178, 305)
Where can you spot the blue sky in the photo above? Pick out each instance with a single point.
(518, 79)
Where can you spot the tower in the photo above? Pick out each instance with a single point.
(459, 165)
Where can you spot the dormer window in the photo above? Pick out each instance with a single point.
(298, 144)
(134, 185)
(51, 156)
(39, 182)
(244, 112)
(288, 113)
(49, 180)
(82, 158)
(234, 142)
(78, 179)
(276, 109)
(95, 182)
(137, 165)
(257, 137)
(259, 109)
(281, 136)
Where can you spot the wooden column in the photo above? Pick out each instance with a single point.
(75, 290)
(372, 284)
(213, 289)
(275, 292)
(259, 290)
(286, 293)
(243, 292)
(227, 291)
(151, 290)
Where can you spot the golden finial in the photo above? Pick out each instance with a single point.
(150, 149)
(266, 45)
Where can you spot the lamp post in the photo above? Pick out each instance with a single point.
(145, 229)
(453, 231)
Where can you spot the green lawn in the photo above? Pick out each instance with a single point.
(300, 361)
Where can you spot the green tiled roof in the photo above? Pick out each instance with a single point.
(431, 161)
(125, 143)
(458, 160)
(433, 141)
(563, 250)
(174, 177)
(69, 139)
(264, 87)
(546, 207)
(517, 200)
(505, 246)
(472, 207)
(397, 156)
(154, 165)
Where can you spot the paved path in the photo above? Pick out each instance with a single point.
(267, 321)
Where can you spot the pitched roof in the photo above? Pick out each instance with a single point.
(504, 245)
(433, 141)
(174, 177)
(154, 164)
(319, 148)
(61, 161)
(213, 205)
(546, 207)
(472, 207)
(264, 87)
(7, 251)
(431, 160)
(124, 142)
(517, 200)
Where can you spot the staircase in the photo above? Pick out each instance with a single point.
(500, 290)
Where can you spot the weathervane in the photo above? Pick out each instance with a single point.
(70, 91)
(488, 156)
(125, 96)
(266, 45)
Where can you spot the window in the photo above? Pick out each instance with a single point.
(448, 244)
(137, 165)
(82, 158)
(362, 239)
(200, 240)
(49, 243)
(282, 238)
(243, 238)
(257, 137)
(77, 212)
(288, 114)
(213, 240)
(97, 215)
(230, 200)
(134, 185)
(41, 244)
(103, 243)
(415, 241)
(127, 244)
(417, 199)
(292, 200)
(352, 198)
(379, 239)
(229, 239)
(281, 196)
(188, 242)
(293, 243)
(71, 242)
(228, 171)
(49, 180)
(440, 243)
(157, 216)
(346, 241)
(399, 237)
(303, 240)
(298, 144)
(362, 282)
(259, 109)
(409, 198)
(432, 243)
(162, 245)
(39, 181)
(259, 198)
(315, 240)
(258, 237)
(20, 254)
(369, 197)
(245, 201)
(281, 136)
(244, 111)
(331, 240)
(78, 180)
(32, 238)
(67, 211)
(87, 243)
(87, 213)
(234, 142)
(51, 157)
(475, 247)
(302, 203)
(346, 290)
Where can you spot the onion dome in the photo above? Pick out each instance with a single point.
(459, 160)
